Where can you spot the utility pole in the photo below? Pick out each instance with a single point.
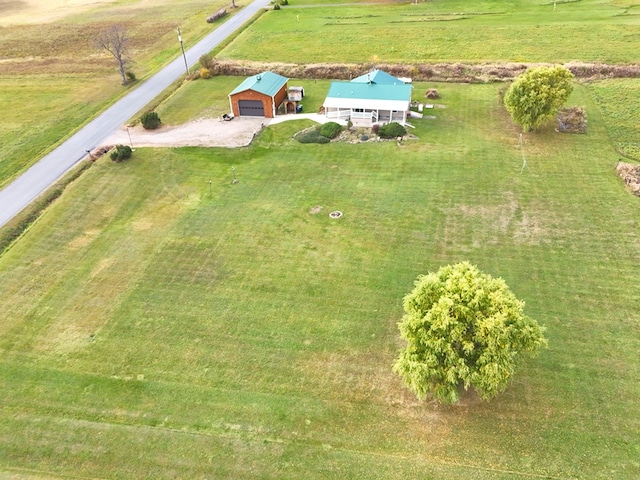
(186, 65)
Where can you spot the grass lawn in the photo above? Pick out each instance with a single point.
(53, 79)
(153, 327)
(620, 102)
(443, 31)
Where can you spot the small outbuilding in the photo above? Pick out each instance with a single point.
(294, 97)
(259, 95)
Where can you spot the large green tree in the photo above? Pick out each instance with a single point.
(464, 329)
(537, 94)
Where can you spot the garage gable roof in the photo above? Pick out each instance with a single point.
(267, 83)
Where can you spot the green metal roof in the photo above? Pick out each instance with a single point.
(267, 83)
(370, 91)
(377, 76)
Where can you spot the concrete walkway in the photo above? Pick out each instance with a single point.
(316, 117)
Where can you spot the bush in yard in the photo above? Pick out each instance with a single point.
(392, 130)
(206, 60)
(375, 129)
(464, 329)
(330, 129)
(131, 77)
(121, 153)
(205, 73)
(311, 136)
(150, 121)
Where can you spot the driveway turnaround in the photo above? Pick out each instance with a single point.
(22, 191)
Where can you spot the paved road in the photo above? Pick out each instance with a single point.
(17, 195)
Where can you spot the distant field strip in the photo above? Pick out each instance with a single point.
(587, 31)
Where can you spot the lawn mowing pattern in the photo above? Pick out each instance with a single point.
(439, 31)
(619, 103)
(153, 328)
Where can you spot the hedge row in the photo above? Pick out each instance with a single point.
(440, 72)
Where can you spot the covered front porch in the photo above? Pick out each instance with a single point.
(366, 117)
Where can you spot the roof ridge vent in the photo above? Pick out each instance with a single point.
(259, 77)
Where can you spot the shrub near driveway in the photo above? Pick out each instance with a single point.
(150, 121)
(330, 129)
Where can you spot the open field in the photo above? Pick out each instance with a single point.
(25, 12)
(620, 103)
(53, 79)
(444, 31)
(153, 327)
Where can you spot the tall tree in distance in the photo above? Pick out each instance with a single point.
(537, 94)
(115, 40)
(464, 329)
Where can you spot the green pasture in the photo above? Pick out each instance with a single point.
(620, 102)
(53, 79)
(160, 321)
(443, 31)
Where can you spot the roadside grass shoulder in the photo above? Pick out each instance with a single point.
(157, 324)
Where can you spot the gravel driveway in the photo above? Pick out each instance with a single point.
(209, 132)
(199, 133)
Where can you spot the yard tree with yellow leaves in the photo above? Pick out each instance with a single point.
(464, 329)
(537, 94)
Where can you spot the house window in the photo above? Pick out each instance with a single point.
(358, 110)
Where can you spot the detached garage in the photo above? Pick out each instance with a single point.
(259, 95)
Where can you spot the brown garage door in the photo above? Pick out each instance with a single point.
(251, 108)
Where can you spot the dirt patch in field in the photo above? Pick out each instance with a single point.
(630, 175)
(104, 264)
(141, 225)
(508, 218)
(84, 240)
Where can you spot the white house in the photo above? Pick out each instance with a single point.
(375, 97)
